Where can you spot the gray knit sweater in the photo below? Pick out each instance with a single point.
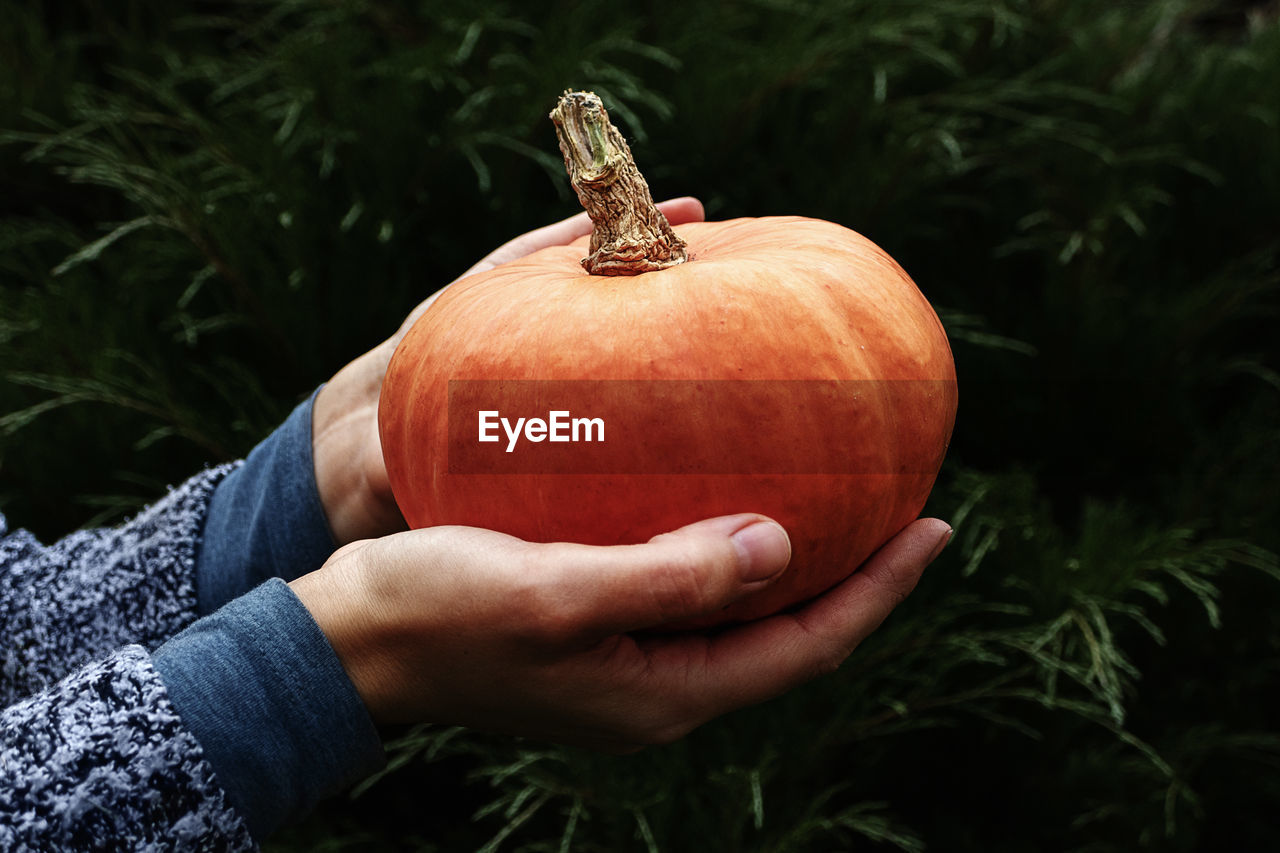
(93, 755)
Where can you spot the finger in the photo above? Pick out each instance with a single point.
(762, 659)
(681, 210)
(677, 210)
(855, 608)
(693, 571)
(556, 234)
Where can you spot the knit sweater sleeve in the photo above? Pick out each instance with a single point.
(102, 761)
(82, 598)
(93, 755)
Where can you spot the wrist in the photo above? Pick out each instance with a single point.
(274, 712)
(265, 519)
(352, 616)
(350, 474)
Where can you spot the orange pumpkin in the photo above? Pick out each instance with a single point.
(787, 367)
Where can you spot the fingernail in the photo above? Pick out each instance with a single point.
(942, 543)
(764, 550)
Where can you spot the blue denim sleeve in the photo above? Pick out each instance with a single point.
(265, 519)
(256, 681)
(264, 693)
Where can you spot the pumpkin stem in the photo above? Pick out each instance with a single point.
(631, 236)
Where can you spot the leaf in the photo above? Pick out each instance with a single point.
(92, 251)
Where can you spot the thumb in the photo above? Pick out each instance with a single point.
(682, 210)
(692, 571)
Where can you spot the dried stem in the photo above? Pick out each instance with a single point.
(631, 235)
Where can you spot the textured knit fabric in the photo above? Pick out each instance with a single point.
(101, 760)
(241, 721)
(96, 591)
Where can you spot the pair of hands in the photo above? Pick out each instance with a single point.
(473, 627)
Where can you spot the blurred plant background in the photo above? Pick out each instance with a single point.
(208, 207)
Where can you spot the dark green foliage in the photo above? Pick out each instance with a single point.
(208, 207)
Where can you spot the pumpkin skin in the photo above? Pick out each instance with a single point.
(772, 300)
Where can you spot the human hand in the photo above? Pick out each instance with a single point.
(350, 473)
(467, 626)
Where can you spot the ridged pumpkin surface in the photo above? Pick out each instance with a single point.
(809, 380)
